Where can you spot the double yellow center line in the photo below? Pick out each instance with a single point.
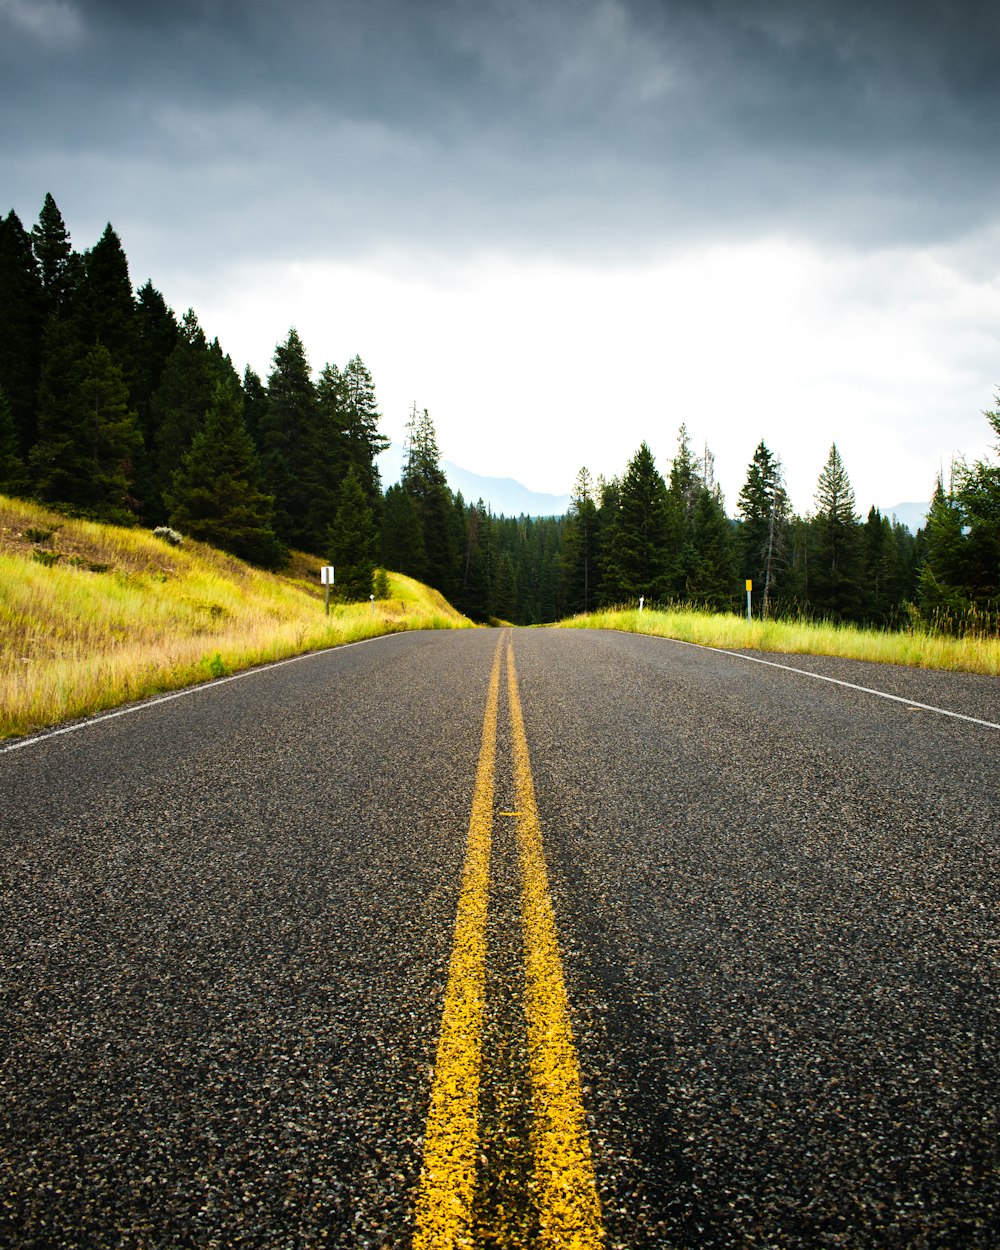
(568, 1206)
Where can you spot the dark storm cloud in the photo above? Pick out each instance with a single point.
(578, 124)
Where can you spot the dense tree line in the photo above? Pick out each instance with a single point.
(668, 539)
(112, 407)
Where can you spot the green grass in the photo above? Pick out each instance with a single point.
(914, 648)
(121, 615)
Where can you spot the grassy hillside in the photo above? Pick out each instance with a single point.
(92, 616)
(915, 648)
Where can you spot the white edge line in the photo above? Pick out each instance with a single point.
(180, 694)
(850, 685)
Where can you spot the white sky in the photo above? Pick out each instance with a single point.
(533, 367)
(562, 226)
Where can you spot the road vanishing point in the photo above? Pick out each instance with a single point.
(507, 938)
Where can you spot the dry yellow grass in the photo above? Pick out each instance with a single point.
(92, 616)
(914, 648)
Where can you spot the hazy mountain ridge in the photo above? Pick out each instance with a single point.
(507, 497)
(503, 495)
(912, 515)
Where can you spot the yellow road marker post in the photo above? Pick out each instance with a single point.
(568, 1204)
(443, 1215)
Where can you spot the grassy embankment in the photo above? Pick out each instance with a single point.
(92, 616)
(915, 648)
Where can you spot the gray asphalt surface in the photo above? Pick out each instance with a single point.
(228, 917)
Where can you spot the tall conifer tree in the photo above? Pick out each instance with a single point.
(979, 495)
(254, 404)
(22, 314)
(178, 407)
(580, 548)
(351, 539)
(425, 480)
(713, 580)
(216, 494)
(288, 434)
(683, 489)
(943, 579)
(640, 537)
(837, 562)
(764, 511)
(362, 427)
(84, 459)
(106, 308)
(402, 534)
(50, 242)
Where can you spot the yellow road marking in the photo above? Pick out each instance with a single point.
(569, 1207)
(443, 1214)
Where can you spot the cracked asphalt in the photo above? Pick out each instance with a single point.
(228, 921)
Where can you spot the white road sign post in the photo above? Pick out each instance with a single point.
(327, 578)
(749, 588)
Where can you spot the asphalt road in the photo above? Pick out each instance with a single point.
(228, 920)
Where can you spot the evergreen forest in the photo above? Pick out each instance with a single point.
(114, 408)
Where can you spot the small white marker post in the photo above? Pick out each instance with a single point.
(642, 600)
(372, 598)
(749, 588)
(327, 578)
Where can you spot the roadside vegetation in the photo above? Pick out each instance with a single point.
(95, 615)
(918, 647)
(114, 408)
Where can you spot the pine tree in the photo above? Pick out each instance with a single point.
(505, 591)
(84, 458)
(106, 306)
(179, 406)
(216, 494)
(479, 563)
(333, 453)
(837, 562)
(979, 495)
(610, 592)
(639, 553)
(254, 404)
(713, 580)
(765, 512)
(158, 334)
(288, 435)
(580, 548)
(362, 421)
(943, 592)
(885, 574)
(683, 489)
(350, 540)
(402, 534)
(331, 396)
(22, 314)
(50, 243)
(424, 479)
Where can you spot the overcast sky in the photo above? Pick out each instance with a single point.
(562, 226)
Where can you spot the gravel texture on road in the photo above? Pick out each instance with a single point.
(779, 900)
(227, 926)
(228, 922)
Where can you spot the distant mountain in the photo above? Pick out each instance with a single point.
(502, 495)
(912, 515)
